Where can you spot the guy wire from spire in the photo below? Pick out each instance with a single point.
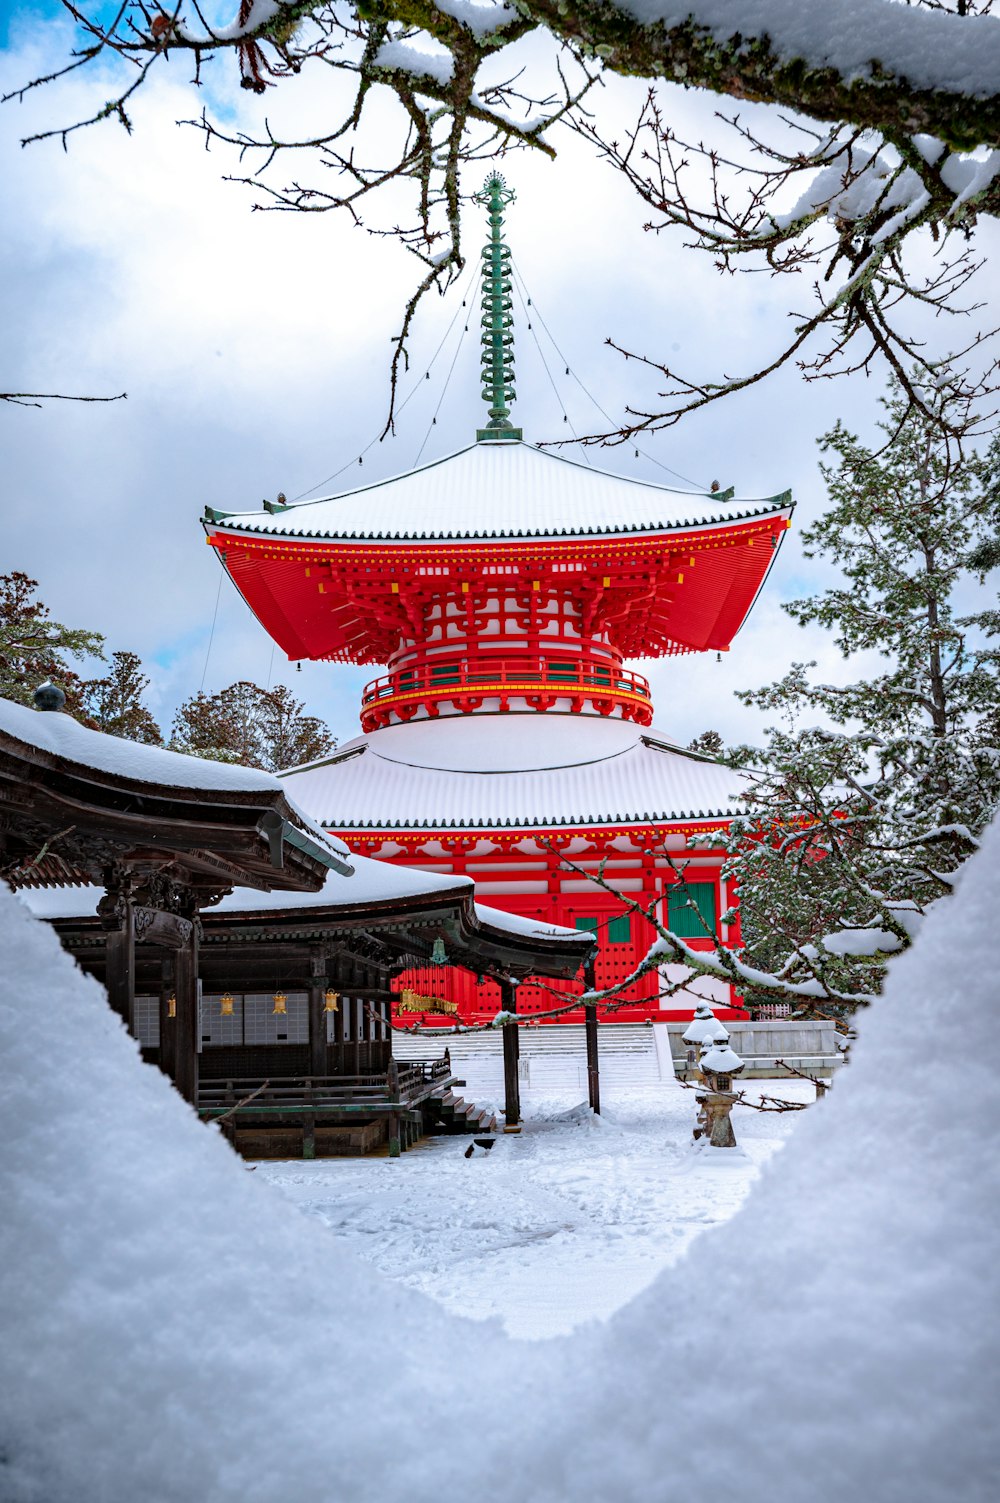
(211, 635)
(497, 320)
(466, 290)
(584, 455)
(527, 299)
(444, 393)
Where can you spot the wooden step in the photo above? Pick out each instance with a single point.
(457, 1115)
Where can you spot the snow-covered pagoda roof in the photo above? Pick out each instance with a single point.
(515, 771)
(498, 490)
(351, 578)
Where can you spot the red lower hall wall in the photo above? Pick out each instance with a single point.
(571, 900)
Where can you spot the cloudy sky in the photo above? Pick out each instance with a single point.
(254, 349)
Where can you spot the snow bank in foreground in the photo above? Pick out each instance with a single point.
(175, 1331)
(837, 1339)
(169, 1330)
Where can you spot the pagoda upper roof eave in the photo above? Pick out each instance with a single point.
(304, 593)
(511, 501)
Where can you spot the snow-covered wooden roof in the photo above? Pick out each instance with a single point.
(486, 771)
(97, 783)
(498, 490)
(59, 734)
(372, 882)
(372, 885)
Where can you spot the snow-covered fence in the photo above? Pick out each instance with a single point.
(556, 1058)
(552, 1058)
(809, 1045)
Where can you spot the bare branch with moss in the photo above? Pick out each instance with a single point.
(879, 159)
(36, 398)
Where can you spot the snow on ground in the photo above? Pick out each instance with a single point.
(561, 1224)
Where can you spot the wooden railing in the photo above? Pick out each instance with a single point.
(467, 681)
(406, 1081)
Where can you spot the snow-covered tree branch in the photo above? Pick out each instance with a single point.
(876, 182)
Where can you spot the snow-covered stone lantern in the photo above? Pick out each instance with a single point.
(704, 1027)
(719, 1065)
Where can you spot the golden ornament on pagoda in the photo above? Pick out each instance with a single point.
(330, 1000)
(279, 1003)
(411, 1001)
(226, 1005)
(171, 1007)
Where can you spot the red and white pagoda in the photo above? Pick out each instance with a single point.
(506, 589)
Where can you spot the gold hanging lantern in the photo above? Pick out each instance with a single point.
(330, 1000)
(226, 1005)
(279, 1003)
(171, 1007)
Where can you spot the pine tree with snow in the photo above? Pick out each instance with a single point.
(34, 648)
(857, 825)
(851, 829)
(114, 704)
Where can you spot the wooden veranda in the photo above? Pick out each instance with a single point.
(160, 837)
(294, 1051)
(133, 854)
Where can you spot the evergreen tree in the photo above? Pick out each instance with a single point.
(257, 727)
(114, 704)
(291, 738)
(852, 829)
(856, 828)
(34, 648)
(708, 743)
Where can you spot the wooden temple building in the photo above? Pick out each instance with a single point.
(507, 592)
(251, 957)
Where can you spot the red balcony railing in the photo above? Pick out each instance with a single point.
(466, 682)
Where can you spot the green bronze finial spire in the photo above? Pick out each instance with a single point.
(497, 320)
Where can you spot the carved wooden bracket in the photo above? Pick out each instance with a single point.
(154, 926)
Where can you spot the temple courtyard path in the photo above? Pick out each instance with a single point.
(559, 1225)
